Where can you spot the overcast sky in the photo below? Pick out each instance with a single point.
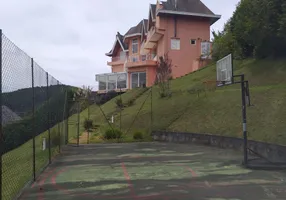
(69, 38)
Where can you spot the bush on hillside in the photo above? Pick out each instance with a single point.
(112, 134)
(163, 75)
(138, 136)
(130, 102)
(88, 124)
(119, 103)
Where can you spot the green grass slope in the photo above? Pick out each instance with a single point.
(214, 112)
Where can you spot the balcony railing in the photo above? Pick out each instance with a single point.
(140, 58)
(117, 59)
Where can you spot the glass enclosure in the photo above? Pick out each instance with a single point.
(112, 81)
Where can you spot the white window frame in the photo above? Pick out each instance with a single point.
(175, 44)
(135, 43)
(205, 49)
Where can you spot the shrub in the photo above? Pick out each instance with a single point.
(88, 124)
(131, 102)
(119, 103)
(55, 140)
(112, 134)
(138, 136)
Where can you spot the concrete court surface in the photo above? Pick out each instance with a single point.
(164, 171)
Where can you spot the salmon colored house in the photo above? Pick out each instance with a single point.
(180, 28)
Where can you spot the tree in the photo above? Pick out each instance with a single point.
(164, 75)
(256, 29)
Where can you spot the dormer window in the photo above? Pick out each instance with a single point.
(135, 46)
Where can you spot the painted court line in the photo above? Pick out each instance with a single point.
(42, 182)
(127, 177)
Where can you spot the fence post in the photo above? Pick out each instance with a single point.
(78, 119)
(88, 113)
(48, 123)
(67, 118)
(33, 122)
(1, 130)
(151, 109)
(59, 128)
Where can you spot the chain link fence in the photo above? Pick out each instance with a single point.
(33, 119)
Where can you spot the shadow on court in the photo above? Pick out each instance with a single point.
(153, 171)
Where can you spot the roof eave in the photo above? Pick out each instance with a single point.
(214, 18)
(121, 45)
(131, 35)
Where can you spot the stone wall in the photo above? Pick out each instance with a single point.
(272, 152)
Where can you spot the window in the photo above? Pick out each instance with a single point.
(102, 82)
(122, 55)
(121, 81)
(205, 49)
(134, 58)
(143, 57)
(175, 44)
(193, 42)
(135, 46)
(138, 79)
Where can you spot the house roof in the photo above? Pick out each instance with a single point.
(133, 31)
(188, 7)
(153, 9)
(119, 39)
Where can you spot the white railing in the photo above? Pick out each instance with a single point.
(141, 58)
(118, 58)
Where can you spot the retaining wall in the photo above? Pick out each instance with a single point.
(273, 152)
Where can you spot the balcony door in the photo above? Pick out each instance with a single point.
(138, 79)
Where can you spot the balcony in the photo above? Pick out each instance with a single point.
(153, 36)
(112, 81)
(141, 60)
(117, 60)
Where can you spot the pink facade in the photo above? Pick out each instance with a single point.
(185, 36)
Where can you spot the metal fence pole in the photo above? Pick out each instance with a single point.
(88, 114)
(48, 120)
(59, 128)
(1, 131)
(78, 119)
(33, 122)
(67, 118)
(151, 110)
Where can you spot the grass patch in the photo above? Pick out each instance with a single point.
(215, 111)
(18, 163)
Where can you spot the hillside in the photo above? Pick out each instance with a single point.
(214, 111)
(20, 101)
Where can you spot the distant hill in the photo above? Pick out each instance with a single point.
(20, 101)
(17, 108)
(8, 116)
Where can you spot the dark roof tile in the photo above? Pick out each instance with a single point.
(145, 25)
(192, 6)
(135, 29)
(153, 8)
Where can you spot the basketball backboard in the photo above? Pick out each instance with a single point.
(224, 71)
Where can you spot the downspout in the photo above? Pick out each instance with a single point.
(175, 19)
(175, 26)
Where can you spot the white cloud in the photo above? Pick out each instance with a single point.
(69, 38)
